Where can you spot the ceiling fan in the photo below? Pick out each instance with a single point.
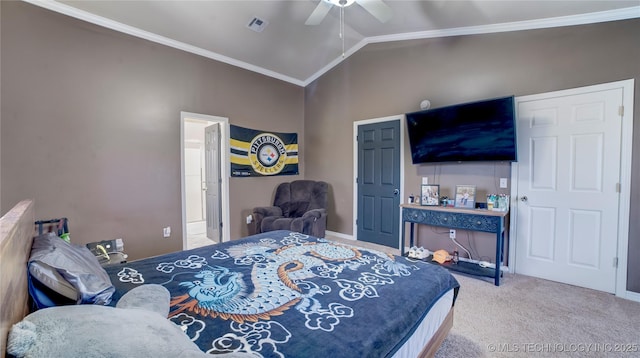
(377, 8)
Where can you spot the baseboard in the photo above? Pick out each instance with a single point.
(633, 296)
(339, 235)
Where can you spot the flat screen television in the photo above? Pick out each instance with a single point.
(469, 132)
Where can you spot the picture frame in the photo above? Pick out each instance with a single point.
(465, 196)
(430, 195)
(498, 202)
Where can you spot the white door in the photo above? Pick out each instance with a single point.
(212, 180)
(568, 186)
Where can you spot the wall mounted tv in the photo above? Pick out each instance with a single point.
(468, 132)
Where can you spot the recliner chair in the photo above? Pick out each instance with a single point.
(300, 205)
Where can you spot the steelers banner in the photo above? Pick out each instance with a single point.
(257, 153)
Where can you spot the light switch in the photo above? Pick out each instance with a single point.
(503, 183)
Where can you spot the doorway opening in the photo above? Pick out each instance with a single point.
(204, 148)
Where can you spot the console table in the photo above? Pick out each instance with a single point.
(463, 219)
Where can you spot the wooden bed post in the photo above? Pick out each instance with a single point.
(16, 236)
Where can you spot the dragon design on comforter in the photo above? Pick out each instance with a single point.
(253, 284)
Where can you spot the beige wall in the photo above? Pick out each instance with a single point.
(392, 78)
(91, 126)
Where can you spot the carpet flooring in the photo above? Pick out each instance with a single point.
(531, 317)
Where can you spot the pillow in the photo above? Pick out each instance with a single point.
(50, 278)
(151, 297)
(137, 327)
(71, 271)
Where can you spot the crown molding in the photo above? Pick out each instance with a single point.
(589, 18)
(571, 20)
(134, 31)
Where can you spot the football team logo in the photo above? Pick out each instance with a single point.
(267, 154)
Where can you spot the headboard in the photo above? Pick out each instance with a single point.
(16, 235)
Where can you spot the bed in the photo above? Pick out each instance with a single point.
(276, 294)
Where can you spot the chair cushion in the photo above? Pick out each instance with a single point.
(299, 196)
(281, 224)
(298, 208)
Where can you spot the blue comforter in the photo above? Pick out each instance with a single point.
(285, 294)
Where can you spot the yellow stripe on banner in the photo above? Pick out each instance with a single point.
(235, 159)
(291, 147)
(240, 160)
(239, 144)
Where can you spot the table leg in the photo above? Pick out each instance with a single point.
(402, 237)
(499, 250)
(411, 235)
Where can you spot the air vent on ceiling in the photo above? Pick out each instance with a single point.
(257, 24)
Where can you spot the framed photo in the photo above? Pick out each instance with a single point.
(430, 195)
(498, 202)
(465, 196)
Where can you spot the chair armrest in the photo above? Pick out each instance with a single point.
(314, 213)
(313, 222)
(262, 212)
(267, 211)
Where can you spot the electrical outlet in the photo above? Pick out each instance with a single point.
(249, 219)
(452, 234)
(503, 183)
(166, 232)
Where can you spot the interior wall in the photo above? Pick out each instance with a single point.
(391, 78)
(91, 126)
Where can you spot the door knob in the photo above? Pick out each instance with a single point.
(396, 192)
(524, 199)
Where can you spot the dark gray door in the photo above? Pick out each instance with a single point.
(379, 183)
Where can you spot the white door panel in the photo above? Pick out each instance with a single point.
(544, 171)
(586, 162)
(542, 226)
(212, 180)
(584, 238)
(568, 172)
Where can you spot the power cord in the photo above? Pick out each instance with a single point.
(462, 247)
(104, 251)
(471, 246)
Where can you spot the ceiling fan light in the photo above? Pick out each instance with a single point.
(341, 3)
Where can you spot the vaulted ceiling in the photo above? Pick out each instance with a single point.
(288, 49)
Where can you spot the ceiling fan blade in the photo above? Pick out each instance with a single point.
(377, 8)
(319, 13)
